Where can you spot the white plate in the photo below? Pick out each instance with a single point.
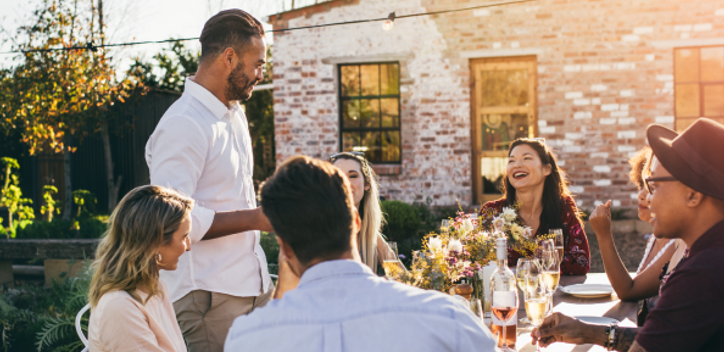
(597, 320)
(588, 290)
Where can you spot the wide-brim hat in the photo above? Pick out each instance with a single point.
(695, 157)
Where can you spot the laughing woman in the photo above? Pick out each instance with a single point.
(131, 308)
(534, 181)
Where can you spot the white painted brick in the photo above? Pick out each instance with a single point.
(597, 203)
(582, 102)
(515, 45)
(627, 121)
(634, 195)
(625, 66)
(582, 115)
(683, 28)
(574, 95)
(497, 45)
(664, 119)
(605, 121)
(664, 78)
(616, 203)
(701, 27)
(669, 85)
(575, 189)
(542, 123)
(532, 8)
(619, 113)
(624, 107)
(596, 101)
(650, 57)
(627, 134)
(599, 155)
(604, 67)
(626, 148)
(574, 135)
(481, 12)
(590, 67)
(602, 168)
(632, 154)
(541, 69)
(564, 163)
(685, 35)
(547, 130)
(572, 149)
(643, 30)
(598, 87)
(630, 38)
(572, 68)
(609, 107)
(627, 93)
(719, 12)
(602, 183)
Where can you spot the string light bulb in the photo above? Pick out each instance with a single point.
(390, 22)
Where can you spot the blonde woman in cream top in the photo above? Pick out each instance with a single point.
(131, 308)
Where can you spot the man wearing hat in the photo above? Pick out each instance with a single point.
(686, 190)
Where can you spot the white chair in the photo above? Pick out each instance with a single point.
(79, 330)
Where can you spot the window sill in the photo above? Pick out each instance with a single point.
(387, 169)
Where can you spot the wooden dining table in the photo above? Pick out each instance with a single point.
(610, 307)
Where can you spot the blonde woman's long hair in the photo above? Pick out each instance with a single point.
(370, 212)
(127, 256)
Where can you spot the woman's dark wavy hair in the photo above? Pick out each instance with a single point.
(555, 189)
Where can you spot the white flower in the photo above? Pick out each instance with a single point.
(509, 214)
(455, 245)
(499, 223)
(516, 231)
(468, 225)
(527, 232)
(434, 244)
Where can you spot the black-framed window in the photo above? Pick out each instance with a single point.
(369, 112)
(699, 84)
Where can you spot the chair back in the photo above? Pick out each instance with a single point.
(78, 328)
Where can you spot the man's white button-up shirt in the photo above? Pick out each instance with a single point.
(202, 148)
(341, 306)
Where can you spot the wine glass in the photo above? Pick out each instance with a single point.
(551, 271)
(526, 266)
(558, 242)
(445, 227)
(391, 261)
(504, 305)
(536, 301)
(546, 245)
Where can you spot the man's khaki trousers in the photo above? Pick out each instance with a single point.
(206, 317)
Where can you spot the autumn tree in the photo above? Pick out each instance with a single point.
(63, 86)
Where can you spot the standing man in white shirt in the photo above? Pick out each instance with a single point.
(340, 304)
(202, 147)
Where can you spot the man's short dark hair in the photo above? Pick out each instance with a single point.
(309, 205)
(228, 29)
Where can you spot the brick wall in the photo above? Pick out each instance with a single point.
(605, 71)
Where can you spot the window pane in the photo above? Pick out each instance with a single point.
(492, 170)
(390, 146)
(504, 88)
(687, 100)
(371, 142)
(369, 113)
(390, 79)
(350, 141)
(714, 100)
(686, 65)
(712, 64)
(370, 79)
(390, 112)
(350, 114)
(498, 130)
(349, 75)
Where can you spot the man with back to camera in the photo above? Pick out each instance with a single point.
(202, 147)
(339, 303)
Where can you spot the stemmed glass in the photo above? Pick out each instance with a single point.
(445, 227)
(391, 261)
(551, 273)
(536, 301)
(504, 305)
(558, 242)
(526, 266)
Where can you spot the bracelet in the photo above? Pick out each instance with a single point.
(612, 337)
(607, 339)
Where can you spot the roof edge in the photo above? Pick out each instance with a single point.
(280, 20)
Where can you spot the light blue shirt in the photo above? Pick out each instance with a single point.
(341, 305)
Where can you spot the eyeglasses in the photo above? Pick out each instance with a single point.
(334, 157)
(651, 186)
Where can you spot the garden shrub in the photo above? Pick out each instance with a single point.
(268, 242)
